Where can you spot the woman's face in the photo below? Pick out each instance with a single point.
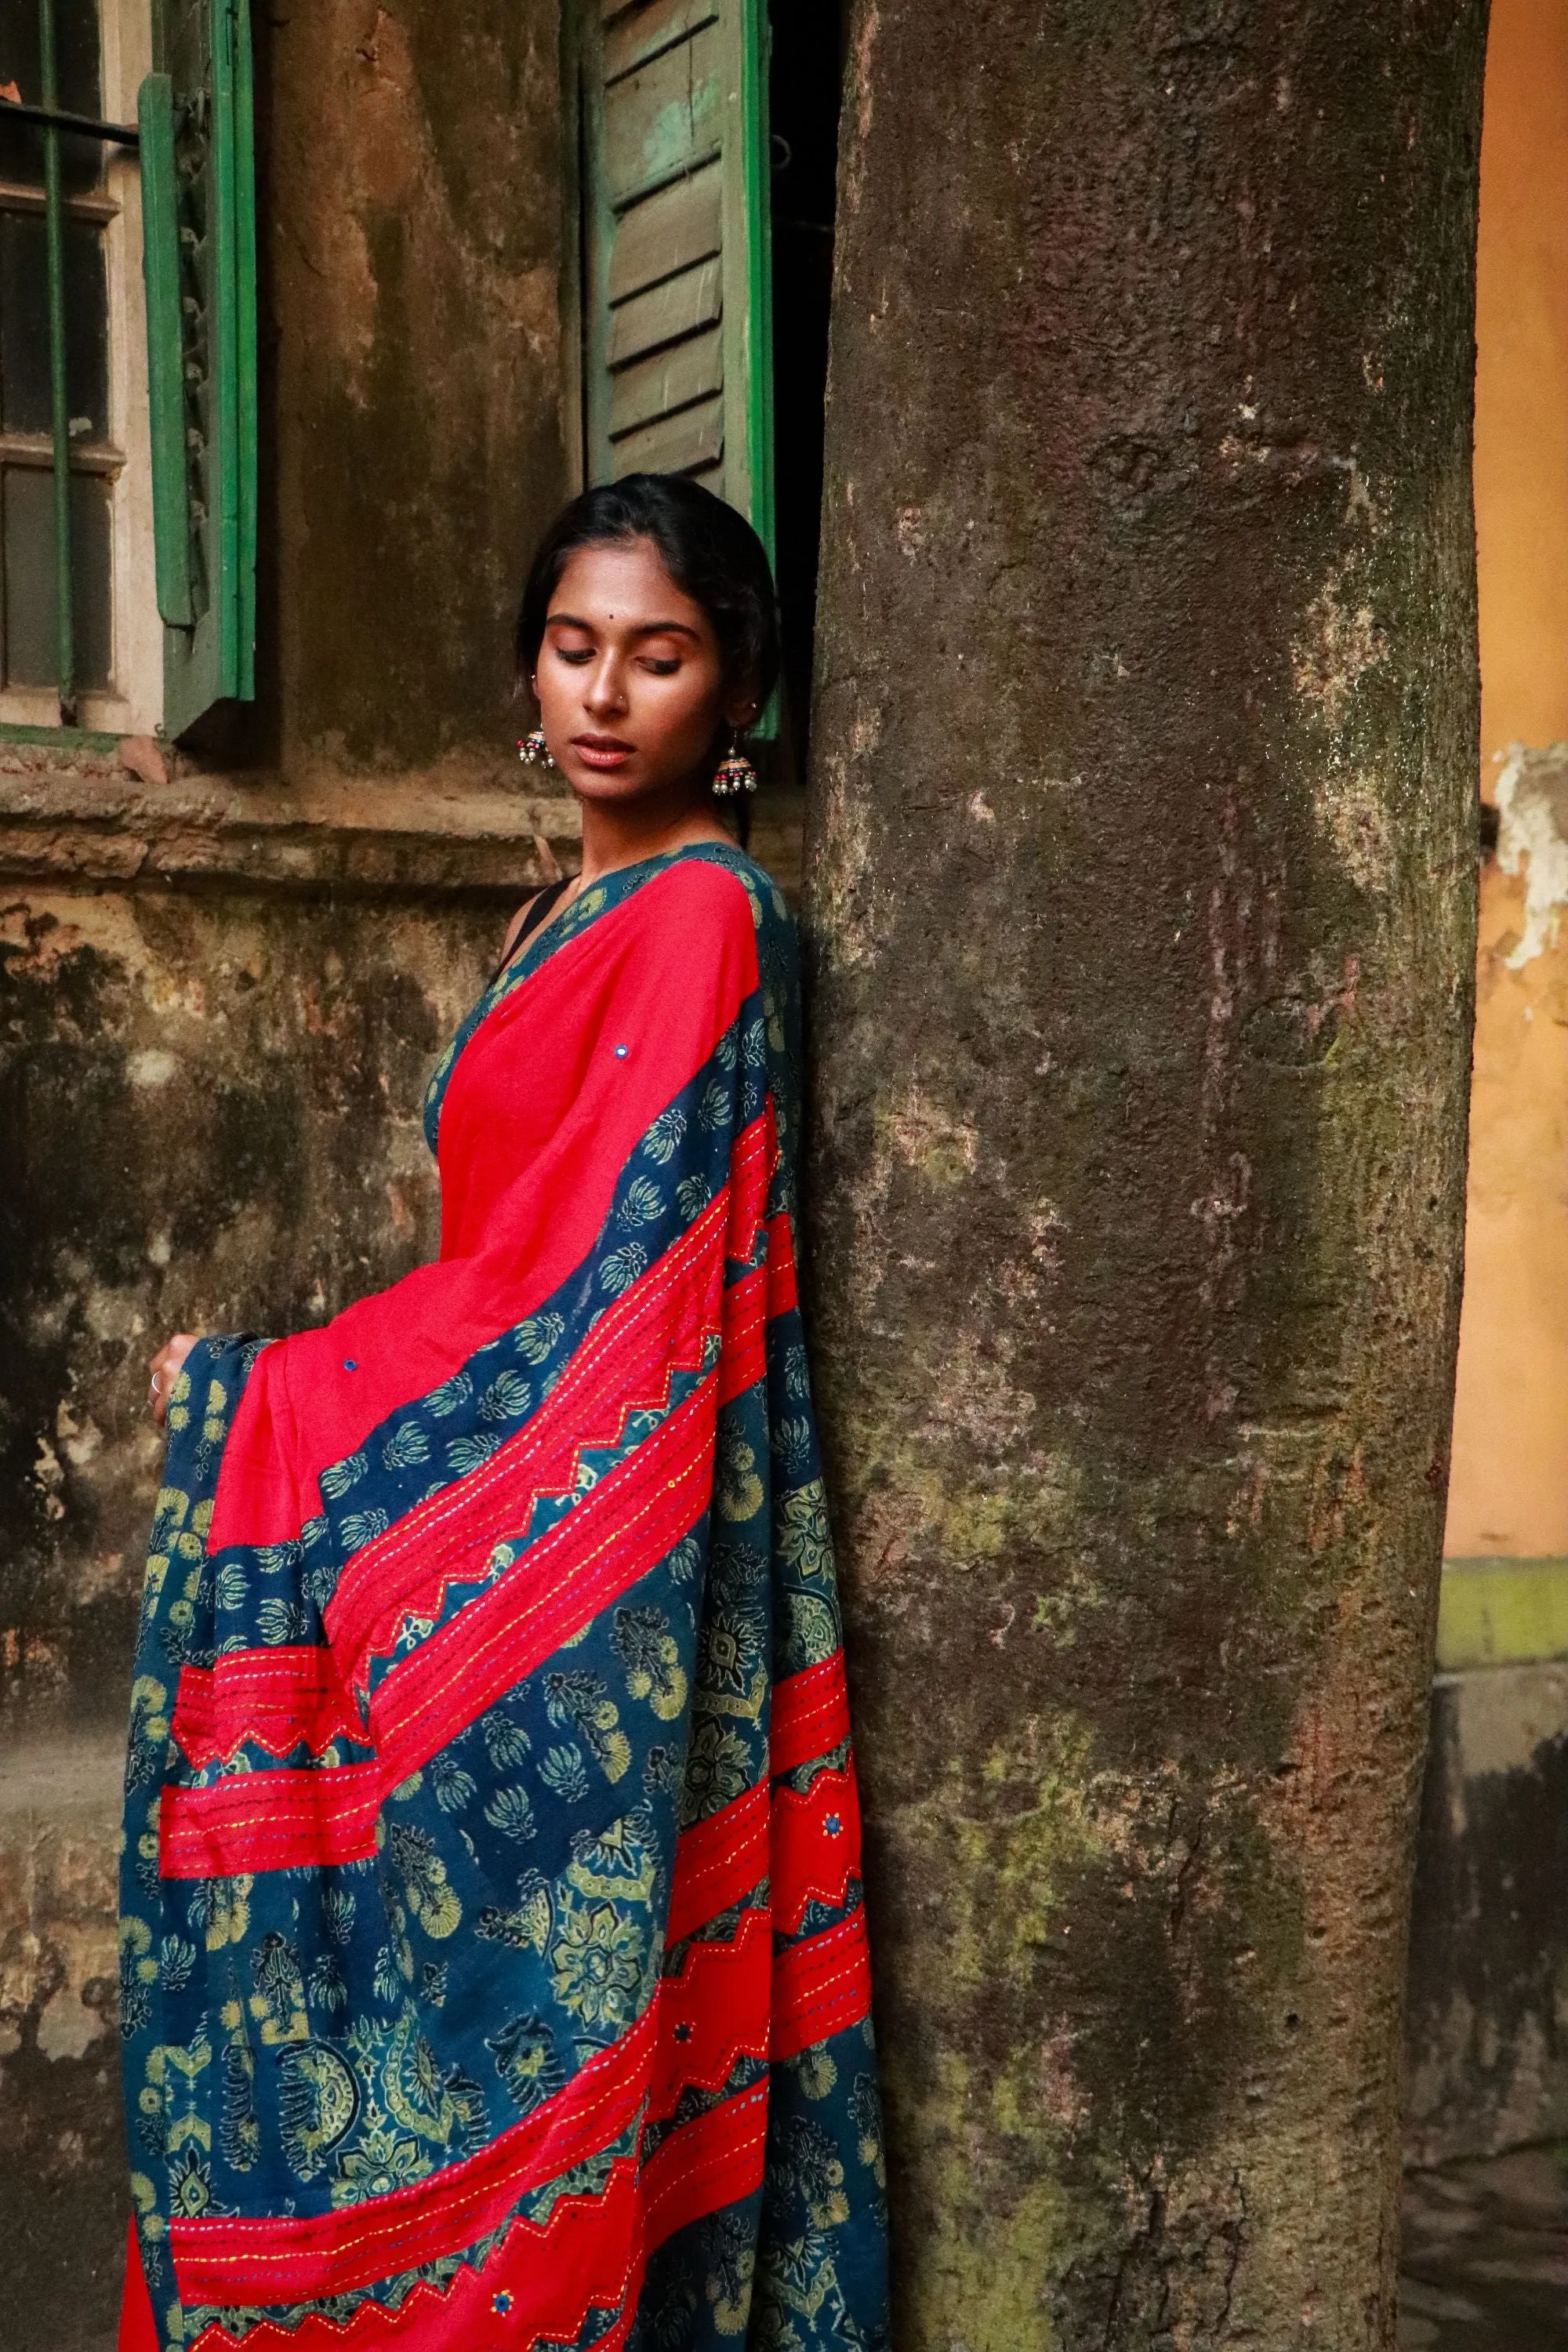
(630, 682)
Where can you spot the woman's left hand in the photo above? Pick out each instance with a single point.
(166, 1367)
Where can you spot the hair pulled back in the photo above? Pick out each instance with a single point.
(710, 552)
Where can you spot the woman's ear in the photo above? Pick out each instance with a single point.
(742, 706)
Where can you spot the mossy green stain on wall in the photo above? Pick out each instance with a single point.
(1501, 1612)
(1141, 880)
(210, 1121)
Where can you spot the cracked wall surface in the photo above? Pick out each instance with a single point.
(1141, 873)
(209, 1120)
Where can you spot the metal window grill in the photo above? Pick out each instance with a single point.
(57, 124)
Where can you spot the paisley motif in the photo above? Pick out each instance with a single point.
(318, 2103)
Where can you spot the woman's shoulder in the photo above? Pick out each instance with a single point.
(759, 910)
(769, 910)
(709, 903)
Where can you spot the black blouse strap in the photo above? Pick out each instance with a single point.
(539, 908)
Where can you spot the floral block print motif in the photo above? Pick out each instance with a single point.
(493, 1965)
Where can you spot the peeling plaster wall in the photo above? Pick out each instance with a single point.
(225, 971)
(1488, 2005)
(1509, 1496)
(1508, 1493)
(209, 1120)
(411, 158)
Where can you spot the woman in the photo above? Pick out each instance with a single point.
(493, 1965)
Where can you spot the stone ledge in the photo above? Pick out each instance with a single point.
(89, 819)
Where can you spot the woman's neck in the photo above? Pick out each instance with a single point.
(649, 827)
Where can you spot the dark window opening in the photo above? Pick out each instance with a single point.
(37, 536)
(805, 78)
(80, 89)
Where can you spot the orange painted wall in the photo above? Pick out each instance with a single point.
(1509, 1487)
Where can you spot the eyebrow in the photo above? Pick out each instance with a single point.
(648, 628)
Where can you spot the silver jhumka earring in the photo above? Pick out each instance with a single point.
(533, 750)
(734, 774)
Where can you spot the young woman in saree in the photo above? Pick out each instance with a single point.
(493, 1965)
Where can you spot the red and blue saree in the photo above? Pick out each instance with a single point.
(493, 1966)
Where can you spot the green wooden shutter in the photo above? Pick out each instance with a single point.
(198, 196)
(673, 183)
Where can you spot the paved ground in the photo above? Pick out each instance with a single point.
(1486, 2256)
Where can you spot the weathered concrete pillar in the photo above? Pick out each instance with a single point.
(1142, 879)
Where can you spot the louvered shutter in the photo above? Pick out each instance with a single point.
(198, 185)
(677, 360)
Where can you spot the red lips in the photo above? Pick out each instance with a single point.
(602, 750)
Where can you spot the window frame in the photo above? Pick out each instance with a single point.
(740, 159)
(133, 702)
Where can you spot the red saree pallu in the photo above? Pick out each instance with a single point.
(493, 1967)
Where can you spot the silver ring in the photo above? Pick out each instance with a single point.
(155, 1389)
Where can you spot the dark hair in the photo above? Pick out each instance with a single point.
(710, 552)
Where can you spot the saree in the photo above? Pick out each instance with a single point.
(493, 1964)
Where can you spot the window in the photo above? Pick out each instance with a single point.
(79, 632)
(703, 245)
(127, 363)
(673, 188)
